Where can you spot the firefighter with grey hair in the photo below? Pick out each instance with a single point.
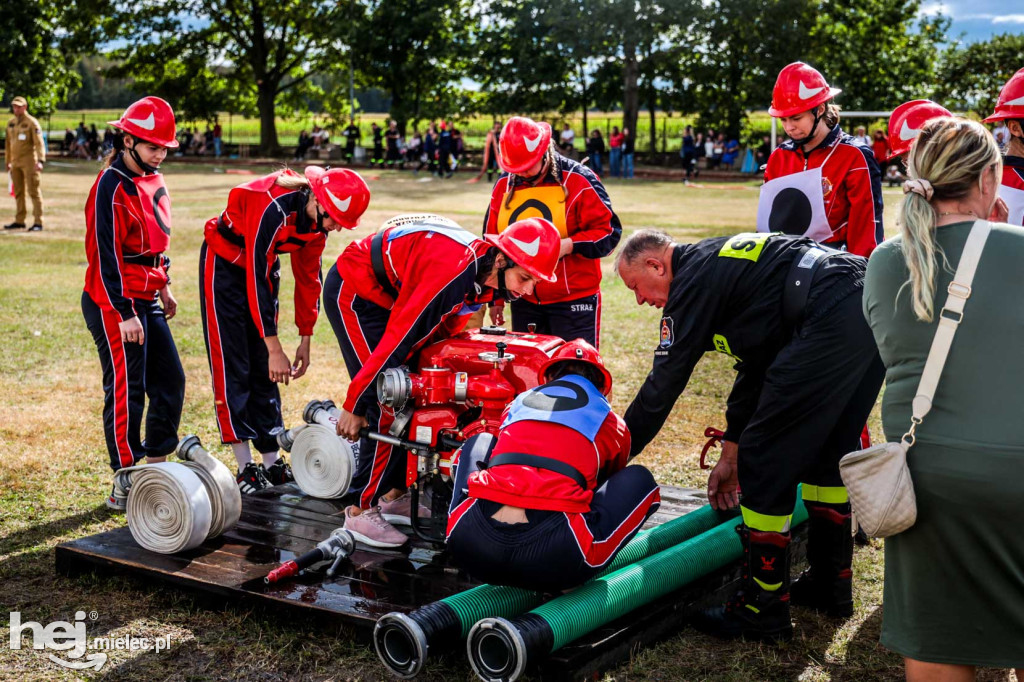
(788, 311)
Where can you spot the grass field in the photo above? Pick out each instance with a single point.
(55, 473)
(247, 130)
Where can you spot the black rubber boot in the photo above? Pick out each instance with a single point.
(760, 610)
(827, 585)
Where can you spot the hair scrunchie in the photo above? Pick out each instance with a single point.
(919, 186)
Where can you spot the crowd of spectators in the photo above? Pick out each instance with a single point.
(86, 143)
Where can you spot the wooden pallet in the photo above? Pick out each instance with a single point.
(281, 523)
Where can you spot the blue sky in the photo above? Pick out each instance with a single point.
(979, 19)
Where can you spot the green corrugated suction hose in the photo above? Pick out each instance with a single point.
(403, 641)
(500, 649)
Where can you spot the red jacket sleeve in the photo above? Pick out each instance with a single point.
(863, 184)
(260, 258)
(598, 229)
(423, 305)
(306, 268)
(494, 207)
(613, 442)
(109, 233)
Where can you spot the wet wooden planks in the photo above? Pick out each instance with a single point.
(280, 523)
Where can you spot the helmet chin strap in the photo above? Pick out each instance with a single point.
(810, 136)
(502, 290)
(138, 159)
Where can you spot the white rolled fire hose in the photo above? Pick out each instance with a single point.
(173, 507)
(322, 461)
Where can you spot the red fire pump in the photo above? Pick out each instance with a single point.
(461, 387)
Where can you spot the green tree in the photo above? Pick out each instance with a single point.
(40, 41)
(735, 50)
(878, 51)
(535, 56)
(264, 52)
(412, 49)
(971, 76)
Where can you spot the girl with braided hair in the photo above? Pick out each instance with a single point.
(541, 183)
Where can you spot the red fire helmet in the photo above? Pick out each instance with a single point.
(533, 243)
(150, 119)
(580, 351)
(906, 122)
(799, 88)
(1011, 99)
(341, 192)
(523, 143)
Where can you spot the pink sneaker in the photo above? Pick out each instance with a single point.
(399, 511)
(370, 528)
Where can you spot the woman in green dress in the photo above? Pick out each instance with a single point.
(954, 582)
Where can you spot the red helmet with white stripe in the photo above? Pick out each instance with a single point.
(150, 119)
(906, 122)
(341, 193)
(580, 351)
(1011, 99)
(533, 243)
(523, 142)
(799, 88)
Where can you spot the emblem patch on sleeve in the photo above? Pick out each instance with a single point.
(667, 334)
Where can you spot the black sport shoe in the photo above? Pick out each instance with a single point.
(36, 228)
(279, 473)
(251, 479)
(14, 226)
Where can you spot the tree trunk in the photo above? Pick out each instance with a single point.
(630, 90)
(268, 118)
(584, 103)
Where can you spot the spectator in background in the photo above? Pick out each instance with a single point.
(595, 149)
(699, 153)
(108, 142)
(316, 138)
(378, 145)
(302, 148)
(717, 151)
(763, 152)
(94, 142)
(414, 148)
(429, 150)
(1002, 135)
(351, 135)
(862, 136)
(628, 149)
(444, 151)
(689, 152)
(208, 144)
(709, 149)
(67, 146)
(893, 175)
(880, 147)
(615, 152)
(732, 150)
(458, 148)
(218, 138)
(391, 139)
(566, 141)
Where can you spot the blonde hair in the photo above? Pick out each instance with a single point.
(952, 155)
(292, 180)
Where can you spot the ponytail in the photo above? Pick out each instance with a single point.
(946, 161)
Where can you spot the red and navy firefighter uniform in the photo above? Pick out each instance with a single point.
(239, 280)
(561, 455)
(851, 184)
(808, 373)
(427, 285)
(1010, 107)
(127, 219)
(575, 201)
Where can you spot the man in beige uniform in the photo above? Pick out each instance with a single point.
(25, 155)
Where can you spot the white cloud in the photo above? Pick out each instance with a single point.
(1009, 19)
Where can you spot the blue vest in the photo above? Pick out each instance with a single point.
(570, 401)
(457, 233)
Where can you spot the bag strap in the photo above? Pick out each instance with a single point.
(950, 317)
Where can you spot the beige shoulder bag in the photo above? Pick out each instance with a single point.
(877, 479)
